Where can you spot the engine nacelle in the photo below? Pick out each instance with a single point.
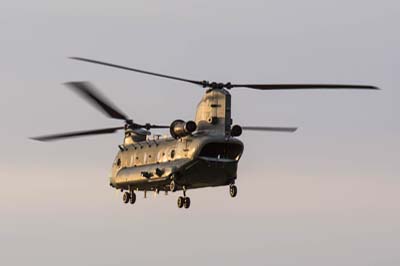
(180, 128)
(236, 131)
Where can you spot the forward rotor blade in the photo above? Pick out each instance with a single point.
(137, 70)
(155, 126)
(159, 126)
(149, 126)
(303, 86)
(89, 92)
(278, 129)
(77, 134)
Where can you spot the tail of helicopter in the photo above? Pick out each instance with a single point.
(214, 113)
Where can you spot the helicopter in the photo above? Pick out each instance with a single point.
(201, 153)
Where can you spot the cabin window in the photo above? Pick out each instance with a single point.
(222, 150)
(172, 154)
(118, 163)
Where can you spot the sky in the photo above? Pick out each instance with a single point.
(325, 195)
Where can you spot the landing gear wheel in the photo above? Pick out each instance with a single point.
(181, 201)
(133, 198)
(187, 202)
(172, 186)
(126, 197)
(233, 191)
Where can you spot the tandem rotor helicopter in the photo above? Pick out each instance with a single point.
(198, 154)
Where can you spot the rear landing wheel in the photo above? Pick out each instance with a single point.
(181, 201)
(126, 197)
(233, 191)
(172, 186)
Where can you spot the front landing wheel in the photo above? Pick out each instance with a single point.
(186, 203)
(126, 197)
(181, 201)
(133, 198)
(233, 191)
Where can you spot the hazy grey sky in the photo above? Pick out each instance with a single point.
(326, 195)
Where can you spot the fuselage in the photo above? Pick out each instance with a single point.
(194, 161)
(207, 157)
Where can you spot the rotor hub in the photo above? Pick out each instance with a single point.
(216, 85)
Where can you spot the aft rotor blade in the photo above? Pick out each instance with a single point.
(277, 129)
(89, 92)
(77, 134)
(228, 85)
(302, 86)
(137, 70)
